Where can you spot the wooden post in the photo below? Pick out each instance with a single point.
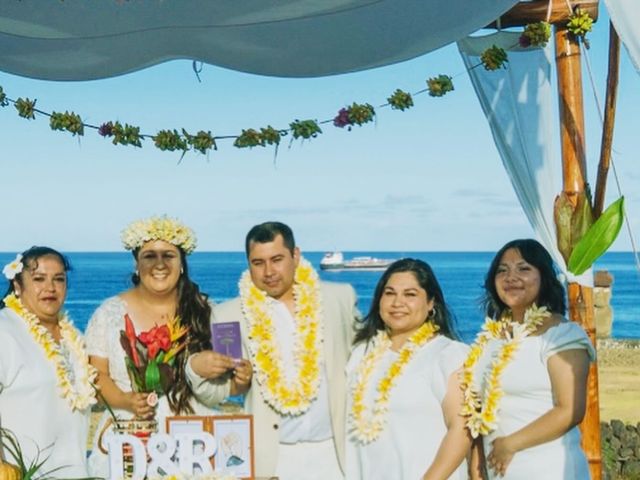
(574, 176)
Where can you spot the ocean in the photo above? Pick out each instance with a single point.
(97, 276)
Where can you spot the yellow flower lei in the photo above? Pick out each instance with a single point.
(482, 411)
(367, 424)
(296, 397)
(80, 393)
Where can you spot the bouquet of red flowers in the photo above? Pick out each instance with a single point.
(150, 355)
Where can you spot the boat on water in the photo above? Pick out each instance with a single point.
(336, 261)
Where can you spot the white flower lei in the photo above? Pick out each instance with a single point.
(75, 381)
(293, 398)
(482, 410)
(366, 424)
(159, 228)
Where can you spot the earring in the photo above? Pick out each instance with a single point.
(181, 270)
(432, 313)
(136, 273)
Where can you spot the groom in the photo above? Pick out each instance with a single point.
(297, 331)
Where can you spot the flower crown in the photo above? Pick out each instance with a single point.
(13, 268)
(159, 228)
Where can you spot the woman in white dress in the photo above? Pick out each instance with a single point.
(525, 378)
(162, 291)
(404, 391)
(46, 388)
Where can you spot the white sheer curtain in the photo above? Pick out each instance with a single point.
(625, 16)
(81, 40)
(518, 103)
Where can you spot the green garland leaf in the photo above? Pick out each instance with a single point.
(201, 142)
(598, 238)
(3, 98)
(70, 122)
(125, 135)
(26, 108)
(170, 140)
(361, 113)
(440, 85)
(270, 135)
(494, 58)
(249, 138)
(305, 129)
(580, 23)
(536, 35)
(400, 100)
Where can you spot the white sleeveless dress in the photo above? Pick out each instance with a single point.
(528, 396)
(415, 424)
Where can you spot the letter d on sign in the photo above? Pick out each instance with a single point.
(115, 444)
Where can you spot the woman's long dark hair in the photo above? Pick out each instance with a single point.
(195, 312)
(442, 317)
(30, 259)
(551, 293)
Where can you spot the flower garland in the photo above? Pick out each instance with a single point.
(367, 424)
(75, 383)
(482, 411)
(296, 397)
(163, 228)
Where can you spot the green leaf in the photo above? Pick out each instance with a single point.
(598, 238)
(152, 377)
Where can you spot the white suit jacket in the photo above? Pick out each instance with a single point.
(338, 303)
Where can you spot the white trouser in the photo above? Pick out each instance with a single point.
(308, 461)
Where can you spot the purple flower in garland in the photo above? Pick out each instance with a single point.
(524, 41)
(106, 129)
(342, 119)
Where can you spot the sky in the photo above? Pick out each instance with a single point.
(427, 179)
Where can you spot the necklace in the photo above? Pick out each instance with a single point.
(366, 424)
(482, 410)
(75, 379)
(295, 397)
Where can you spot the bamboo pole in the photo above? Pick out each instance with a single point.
(609, 121)
(574, 176)
(524, 13)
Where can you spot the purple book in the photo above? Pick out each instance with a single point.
(226, 339)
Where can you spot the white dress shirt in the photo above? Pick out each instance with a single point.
(314, 425)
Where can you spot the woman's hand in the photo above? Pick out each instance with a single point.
(242, 374)
(137, 404)
(210, 364)
(501, 455)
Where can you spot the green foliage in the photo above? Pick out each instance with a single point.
(67, 121)
(170, 140)
(305, 129)
(270, 135)
(125, 135)
(26, 108)
(580, 23)
(3, 98)
(598, 238)
(536, 34)
(28, 471)
(201, 142)
(494, 58)
(440, 85)
(359, 114)
(400, 100)
(249, 138)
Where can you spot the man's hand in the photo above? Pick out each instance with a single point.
(242, 374)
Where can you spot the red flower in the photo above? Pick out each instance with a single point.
(156, 339)
(131, 336)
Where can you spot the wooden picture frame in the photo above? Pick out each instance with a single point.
(235, 455)
(188, 424)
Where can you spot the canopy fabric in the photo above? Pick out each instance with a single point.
(517, 102)
(81, 40)
(625, 16)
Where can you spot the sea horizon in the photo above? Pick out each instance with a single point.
(98, 275)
